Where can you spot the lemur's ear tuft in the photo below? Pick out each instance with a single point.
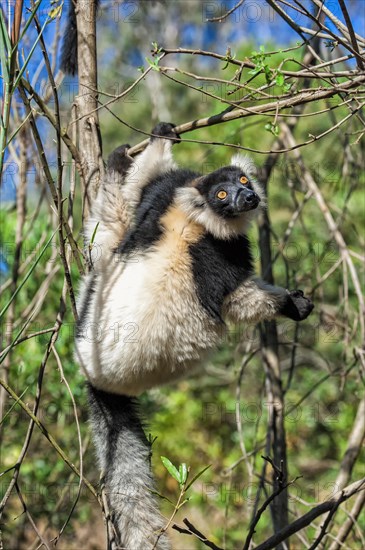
(248, 167)
(246, 164)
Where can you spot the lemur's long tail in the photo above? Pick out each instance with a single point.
(124, 457)
(69, 46)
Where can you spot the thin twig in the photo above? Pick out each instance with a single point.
(262, 509)
(315, 512)
(191, 530)
(224, 16)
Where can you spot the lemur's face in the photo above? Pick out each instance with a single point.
(229, 192)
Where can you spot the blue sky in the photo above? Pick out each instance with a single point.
(254, 21)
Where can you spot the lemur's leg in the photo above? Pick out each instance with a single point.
(255, 301)
(119, 195)
(110, 216)
(156, 159)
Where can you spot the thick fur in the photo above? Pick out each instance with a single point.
(69, 46)
(124, 459)
(171, 263)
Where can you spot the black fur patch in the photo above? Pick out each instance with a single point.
(115, 412)
(156, 198)
(219, 267)
(119, 161)
(165, 129)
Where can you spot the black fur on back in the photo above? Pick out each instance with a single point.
(156, 198)
(219, 267)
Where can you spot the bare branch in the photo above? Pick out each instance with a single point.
(326, 506)
(359, 59)
(261, 510)
(311, 184)
(349, 523)
(292, 101)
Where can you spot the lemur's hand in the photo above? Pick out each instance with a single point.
(297, 306)
(165, 130)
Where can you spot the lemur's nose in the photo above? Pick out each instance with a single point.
(251, 197)
(250, 200)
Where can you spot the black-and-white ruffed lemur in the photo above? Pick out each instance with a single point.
(171, 264)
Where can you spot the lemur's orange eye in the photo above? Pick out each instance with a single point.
(221, 194)
(243, 180)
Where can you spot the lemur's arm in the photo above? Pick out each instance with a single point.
(156, 159)
(255, 301)
(119, 195)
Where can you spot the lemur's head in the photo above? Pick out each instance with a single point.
(228, 192)
(226, 200)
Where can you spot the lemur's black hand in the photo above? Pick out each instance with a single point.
(119, 161)
(165, 129)
(297, 306)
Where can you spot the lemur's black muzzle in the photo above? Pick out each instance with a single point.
(247, 200)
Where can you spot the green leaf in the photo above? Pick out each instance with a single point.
(183, 472)
(156, 48)
(55, 12)
(198, 475)
(287, 86)
(268, 74)
(280, 79)
(94, 233)
(171, 468)
(153, 63)
(229, 57)
(272, 128)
